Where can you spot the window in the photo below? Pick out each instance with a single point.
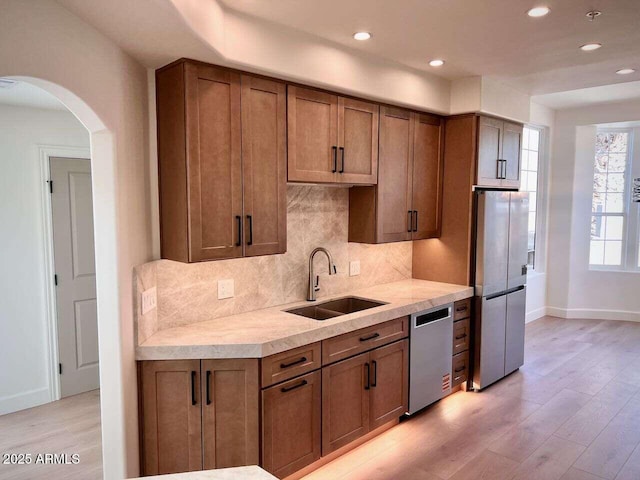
(531, 141)
(612, 226)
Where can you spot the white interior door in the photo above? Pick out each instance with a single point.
(77, 320)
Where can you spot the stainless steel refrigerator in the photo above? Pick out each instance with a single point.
(501, 241)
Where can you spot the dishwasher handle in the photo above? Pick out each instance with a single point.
(432, 317)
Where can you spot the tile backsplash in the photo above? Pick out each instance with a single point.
(317, 216)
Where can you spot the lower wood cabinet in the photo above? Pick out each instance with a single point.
(291, 424)
(197, 415)
(362, 393)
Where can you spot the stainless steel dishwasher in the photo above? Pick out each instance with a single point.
(430, 350)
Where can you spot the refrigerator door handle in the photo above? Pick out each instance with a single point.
(505, 292)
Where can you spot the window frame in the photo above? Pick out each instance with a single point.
(542, 205)
(630, 248)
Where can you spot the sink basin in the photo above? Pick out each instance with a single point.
(335, 308)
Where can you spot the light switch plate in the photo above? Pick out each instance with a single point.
(354, 268)
(149, 300)
(225, 288)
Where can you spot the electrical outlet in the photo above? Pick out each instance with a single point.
(225, 288)
(149, 300)
(354, 268)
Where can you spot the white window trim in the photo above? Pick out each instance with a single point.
(542, 207)
(631, 229)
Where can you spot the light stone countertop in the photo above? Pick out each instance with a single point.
(237, 473)
(261, 333)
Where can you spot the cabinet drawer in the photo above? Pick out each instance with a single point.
(352, 343)
(461, 336)
(285, 365)
(462, 309)
(459, 368)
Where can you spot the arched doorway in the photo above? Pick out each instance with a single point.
(102, 156)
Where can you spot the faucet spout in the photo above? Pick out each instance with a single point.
(314, 282)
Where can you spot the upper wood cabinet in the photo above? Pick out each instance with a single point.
(222, 160)
(406, 204)
(331, 139)
(499, 153)
(194, 418)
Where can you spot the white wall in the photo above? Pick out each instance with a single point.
(23, 343)
(107, 90)
(573, 290)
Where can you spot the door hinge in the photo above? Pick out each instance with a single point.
(50, 182)
(55, 279)
(60, 369)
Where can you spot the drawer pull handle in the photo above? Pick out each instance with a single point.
(461, 309)
(460, 337)
(368, 373)
(461, 369)
(370, 337)
(291, 364)
(293, 387)
(193, 388)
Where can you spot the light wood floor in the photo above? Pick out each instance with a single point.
(71, 425)
(571, 413)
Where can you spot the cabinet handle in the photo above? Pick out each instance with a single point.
(504, 170)
(460, 337)
(370, 337)
(250, 241)
(375, 373)
(458, 370)
(334, 149)
(409, 220)
(461, 309)
(287, 365)
(208, 387)
(293, 387)
(415, 229)
(194, 400)
(367, 371)
(239, 220)
(342, 163)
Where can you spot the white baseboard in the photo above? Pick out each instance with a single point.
(535, 314)
(595, 314)
(20, 401)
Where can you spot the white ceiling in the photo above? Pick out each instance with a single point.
(489, 37)
(591, 96)
(493, 38)
(23, 94)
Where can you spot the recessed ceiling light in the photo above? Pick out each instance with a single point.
(625, 71)
(538, 11)
(436, 63)
(362, 35)
(589, 47)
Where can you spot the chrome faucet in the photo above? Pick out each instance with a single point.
(314, 281)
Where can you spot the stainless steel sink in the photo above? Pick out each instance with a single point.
(335, 308)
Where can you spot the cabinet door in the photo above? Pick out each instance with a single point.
(230, 412)
(214, 160)
(345, 402)
(394, 179)
(489, 168)
(389, 383)
(171, 416)
(511, 154)
(312, 130)
(427, 176)
(357, 141)
(514, 344)
(291, 424)
(264, 163)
